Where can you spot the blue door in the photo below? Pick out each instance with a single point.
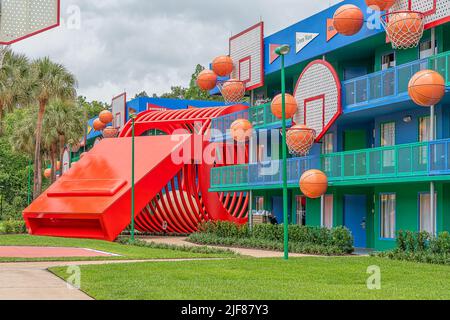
(277, 208)
(355, 214)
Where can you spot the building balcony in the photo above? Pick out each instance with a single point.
(427, 161)
(389, 86)
(260, 116)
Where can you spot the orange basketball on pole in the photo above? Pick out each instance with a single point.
(314, 184)
(380, 5)
(426, 88)
(233, 90)
(291, 106)
(241, 130)
(98, 125)
(48, 173)
(207, 80)
(223, 66)
(106, 117)
(348, 20)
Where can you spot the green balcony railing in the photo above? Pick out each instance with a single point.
(441, 63)
(407, 160)
(401, 161)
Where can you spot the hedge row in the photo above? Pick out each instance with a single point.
(420, 247)
(13, 227)
(303, 239)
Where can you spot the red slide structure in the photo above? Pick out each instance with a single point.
(93, 199)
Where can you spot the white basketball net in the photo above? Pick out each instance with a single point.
(233, 91)
(300, 147)
(402, 33)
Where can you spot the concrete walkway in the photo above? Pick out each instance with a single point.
(254, 253)
(33, 281)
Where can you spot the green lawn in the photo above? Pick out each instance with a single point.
(242, 279)
(126, 252)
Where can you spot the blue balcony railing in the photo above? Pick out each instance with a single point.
(379, 85)
(440, 157)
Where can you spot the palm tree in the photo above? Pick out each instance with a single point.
(49, 80)
(13, 82)
(67, 119)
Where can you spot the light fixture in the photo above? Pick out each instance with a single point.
(407, 119)
(283, 50)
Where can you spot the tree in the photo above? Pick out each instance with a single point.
(93, 108)
(13, 83)
(142, 94)
(193, 92)
(49, 80)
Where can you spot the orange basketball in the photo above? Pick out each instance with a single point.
(48, 173)
(223, 66)
(98, 125)
(404, 28)
(207, 80)
(233, 90)
(380, 5)
(106, 116)
(348, 20)
(291, 106)
(299, 140)
(426, 88)
(110, 132)
(241, 130)
(314, 184)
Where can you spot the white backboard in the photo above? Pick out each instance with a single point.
(21, 19)
(118, 107)
(436, 12)
(319, 98)
(247, 53)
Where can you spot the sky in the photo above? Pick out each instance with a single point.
(150, 45)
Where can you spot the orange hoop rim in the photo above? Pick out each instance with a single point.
(385, 17)
(234, 98)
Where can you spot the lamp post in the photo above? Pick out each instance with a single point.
(282, 51)
(133, 118)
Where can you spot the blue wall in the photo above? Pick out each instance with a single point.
(319, 46)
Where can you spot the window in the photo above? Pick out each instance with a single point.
(259, 204)
(387, 209)
(425, 49)
(424, 136)
(301, 210)
(328, 205)
(118, 121)
(327, 148)
(427, 218)
(388, 61)
(388, 140)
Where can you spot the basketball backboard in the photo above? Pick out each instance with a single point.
(21, 19)
(247, 53)
(118, 107)
(318, 94)
(436, 12)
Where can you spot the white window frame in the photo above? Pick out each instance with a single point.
(423, 54)
(426, 196)
(391, 64)
(298, 212)
(393, 230)
(324, 223)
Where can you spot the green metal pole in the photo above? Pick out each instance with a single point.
(284, 148)
(30, 163)
(132, 179)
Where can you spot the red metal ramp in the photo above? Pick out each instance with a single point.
(93, 199)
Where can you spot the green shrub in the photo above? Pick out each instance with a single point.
(14, 227)
(302, 239)
(401, 241)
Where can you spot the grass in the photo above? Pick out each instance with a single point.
(259, 279)
(126, 252)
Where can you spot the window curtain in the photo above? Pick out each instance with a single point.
(388, 216)
(328, 211)
(427, 218)
(388, 140)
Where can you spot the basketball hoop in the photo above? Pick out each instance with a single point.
(404, 28)
(233, 91)
(300, 140)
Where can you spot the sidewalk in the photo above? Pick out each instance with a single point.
(254, 253)
(32, 280)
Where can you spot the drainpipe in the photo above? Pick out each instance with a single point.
(432, 132)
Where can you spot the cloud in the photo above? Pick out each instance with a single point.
(150, 45)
